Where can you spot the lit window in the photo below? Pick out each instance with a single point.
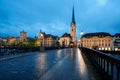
(116, 49)
(102, 48)
(105, 48)
(99, 48)
(109, 49)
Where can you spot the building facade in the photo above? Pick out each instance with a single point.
(3, 42)
(23, 36)
(116, 42)
(15, 40)
(46, 40)
(99, 41)
(11, 40)
(65, 40)
(73, 29)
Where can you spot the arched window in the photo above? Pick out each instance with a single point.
(72, 29)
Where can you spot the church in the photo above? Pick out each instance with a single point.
(69, 40)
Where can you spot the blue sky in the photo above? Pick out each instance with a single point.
(54, 16)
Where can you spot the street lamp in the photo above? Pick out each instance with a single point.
(81, 33)
(42, 41)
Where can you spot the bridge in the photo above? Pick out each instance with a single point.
(59, 64)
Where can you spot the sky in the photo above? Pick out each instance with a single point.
(55, 16)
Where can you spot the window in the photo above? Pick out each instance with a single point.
(99, 44)
(105, 44)
(102, 40)
(102, 44)
(72, 29)
(105, 40)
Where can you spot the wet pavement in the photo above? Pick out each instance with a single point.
(62, 64)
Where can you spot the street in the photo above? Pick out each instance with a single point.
(62, 64)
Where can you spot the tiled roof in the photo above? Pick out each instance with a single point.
(117, 34)
(97, 34)
(48, 35)
(66, 35)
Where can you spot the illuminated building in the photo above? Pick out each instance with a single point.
(65, 40)
(12, 40)
(73, 29)
(99, 41)
(69, 39)
(23, 36)
(116, 42)
(46, 40)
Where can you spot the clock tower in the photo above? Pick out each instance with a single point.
(73, 28)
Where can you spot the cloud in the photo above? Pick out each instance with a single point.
(102, 2)
(55, 16)
(55, 28)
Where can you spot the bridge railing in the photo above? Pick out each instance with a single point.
(109, 66)
(10, 51)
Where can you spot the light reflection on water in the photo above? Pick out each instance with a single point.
(41, 61)
(80, 63)
(59, 54)
(72, 51)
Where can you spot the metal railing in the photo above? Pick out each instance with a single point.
(109, 66)
(8, 51)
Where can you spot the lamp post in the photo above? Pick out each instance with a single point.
(81, 34)
(42, 42)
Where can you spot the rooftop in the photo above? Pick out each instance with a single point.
(97, 34)
(117, 34)
(66, 35)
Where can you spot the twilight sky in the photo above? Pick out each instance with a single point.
(54, 16)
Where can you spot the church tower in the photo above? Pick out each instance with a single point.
(23, 36)
(73, 28)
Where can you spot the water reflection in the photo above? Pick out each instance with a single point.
(41, 61)
(64, 51)
(80, 65)
(59, 54)
(72, 52)
(80, 62)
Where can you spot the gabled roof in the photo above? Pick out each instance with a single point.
(97, 34)
(49, 35)
(117, 34)
(66, 35)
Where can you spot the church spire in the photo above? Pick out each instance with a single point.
(73, 16)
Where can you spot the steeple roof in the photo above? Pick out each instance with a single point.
(73, 16)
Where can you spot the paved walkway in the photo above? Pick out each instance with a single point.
(63, 64)
(71, 67)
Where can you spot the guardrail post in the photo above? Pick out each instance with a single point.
(118, 71)
(112, 64)
(107, 68)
